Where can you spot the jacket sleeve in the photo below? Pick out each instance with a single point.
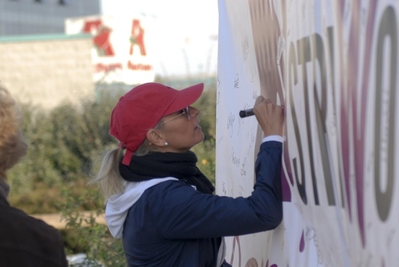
(187, 213)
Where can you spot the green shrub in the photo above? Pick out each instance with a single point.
(83, 234)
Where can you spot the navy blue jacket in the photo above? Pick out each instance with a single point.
(172, 224)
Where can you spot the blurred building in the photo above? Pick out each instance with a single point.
(46, 70)
(20, 17)
(39, 63)
(53, 51)
(97, 53)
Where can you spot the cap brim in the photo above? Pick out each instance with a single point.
(185, 97)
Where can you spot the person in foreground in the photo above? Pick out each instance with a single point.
(24, 240)
(159, 202)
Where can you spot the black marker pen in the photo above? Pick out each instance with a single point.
(246, 113)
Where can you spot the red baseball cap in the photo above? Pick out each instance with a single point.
(142, 108)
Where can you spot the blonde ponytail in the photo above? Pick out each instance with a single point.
(108, 177)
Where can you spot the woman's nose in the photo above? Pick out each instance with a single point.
(194, 112)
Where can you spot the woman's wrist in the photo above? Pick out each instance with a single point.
(277, 138)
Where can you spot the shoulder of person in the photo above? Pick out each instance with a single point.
(32, 235)
(21, 222)
(169, 192)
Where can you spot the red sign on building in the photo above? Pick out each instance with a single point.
(120, 52)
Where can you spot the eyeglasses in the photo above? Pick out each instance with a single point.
(184, 111)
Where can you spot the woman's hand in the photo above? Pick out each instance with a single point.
(269, 116)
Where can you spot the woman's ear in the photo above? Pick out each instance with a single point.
(155, 138)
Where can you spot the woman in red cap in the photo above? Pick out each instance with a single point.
(159, 202)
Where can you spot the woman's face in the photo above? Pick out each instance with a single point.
(180, 132)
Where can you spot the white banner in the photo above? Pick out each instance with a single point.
(333, 64)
